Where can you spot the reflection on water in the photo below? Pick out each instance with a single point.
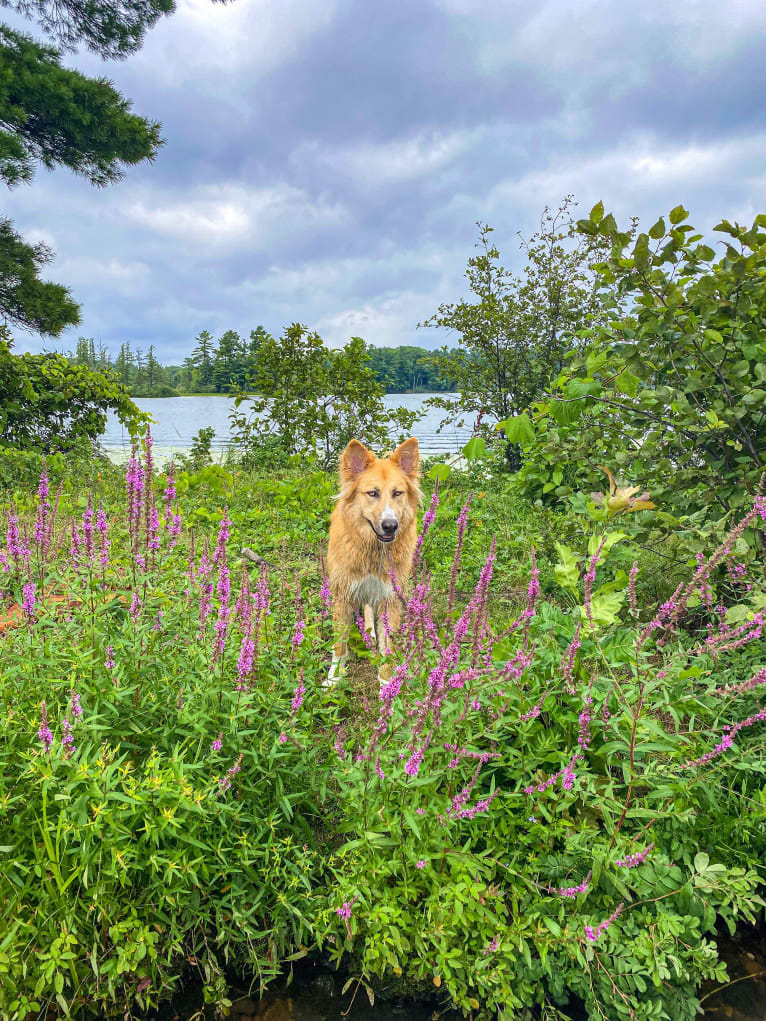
(179, 419)
(744, 998)
(316, 994)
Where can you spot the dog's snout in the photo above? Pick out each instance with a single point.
(389, 526)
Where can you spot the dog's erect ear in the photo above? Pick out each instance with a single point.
(354, 459)
(407, 456)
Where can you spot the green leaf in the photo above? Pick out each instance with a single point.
(597, 213)
(552, 924)
(678, 214)
(441, 472)
(658, 230)
(567, 571)
(518, 429)
(605, 607)
(701, 861)
(475, 448)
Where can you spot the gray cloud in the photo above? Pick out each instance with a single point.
(327, 162)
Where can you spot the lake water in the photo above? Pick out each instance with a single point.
(179, 419)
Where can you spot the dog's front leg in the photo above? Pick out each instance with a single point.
(342, 616)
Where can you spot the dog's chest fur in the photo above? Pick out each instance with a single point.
(370, 590)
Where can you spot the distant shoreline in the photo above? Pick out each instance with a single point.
(387, 393)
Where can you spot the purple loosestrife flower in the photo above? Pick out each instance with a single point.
(324, 596)
(632, 600)
(367, 638)
(109, 662)
(262, 601)
(225, 782)
(344, 912)
(727, 741)
(590, 577)
(174, 528)
(44, 731)
(428, 519)
(298, 694)
(736, 689)
(243, 608)
(630, 861)
(219, 554)
(74, 705)
(300, 624)
(245, 660)
(491, 947)
(533, 591)
(462, 522)
(67, 738)
(338, 745)
(28, 602)
(584, 736)
(222, 623)
(75, 548)
(102, 527)
(153, 531)
(134, 486)
(18, 547)
(571, 892)
(728, 638)
(135, 605)
(88, 534)
(421, 864)
(217, 743)
(169, 494)
(566, 775)
(593, 934)
(412, 765)
(43, 489)
(567, 664)
(42, 536)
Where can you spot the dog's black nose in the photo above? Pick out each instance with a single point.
(389, 527)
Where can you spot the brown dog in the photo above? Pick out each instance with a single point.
(372, 533)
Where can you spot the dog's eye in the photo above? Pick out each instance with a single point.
(397, 492)
(372, 492)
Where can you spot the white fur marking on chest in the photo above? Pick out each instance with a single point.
(370, 590)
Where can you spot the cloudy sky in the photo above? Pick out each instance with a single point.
(326, 160)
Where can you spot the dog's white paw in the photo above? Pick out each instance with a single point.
(335, 672)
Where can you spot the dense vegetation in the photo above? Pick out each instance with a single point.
(232, 363)
(558, 798)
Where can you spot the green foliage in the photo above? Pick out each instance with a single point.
(312, 400)
(128, 860)
(25, 299)
(407, 369)
(514, 335)
(200, 453)
(48, 404)
(114, 31)
(671, 388)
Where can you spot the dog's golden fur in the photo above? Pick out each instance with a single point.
(373, 530)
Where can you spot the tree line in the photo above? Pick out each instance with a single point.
(230, 364)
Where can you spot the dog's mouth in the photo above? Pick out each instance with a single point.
(381, 538)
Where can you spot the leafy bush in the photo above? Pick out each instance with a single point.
(671, 388)
(309, 400)
(537, 817)
(151, 818)
(563, 802)
(515, 333)
(49, 404)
